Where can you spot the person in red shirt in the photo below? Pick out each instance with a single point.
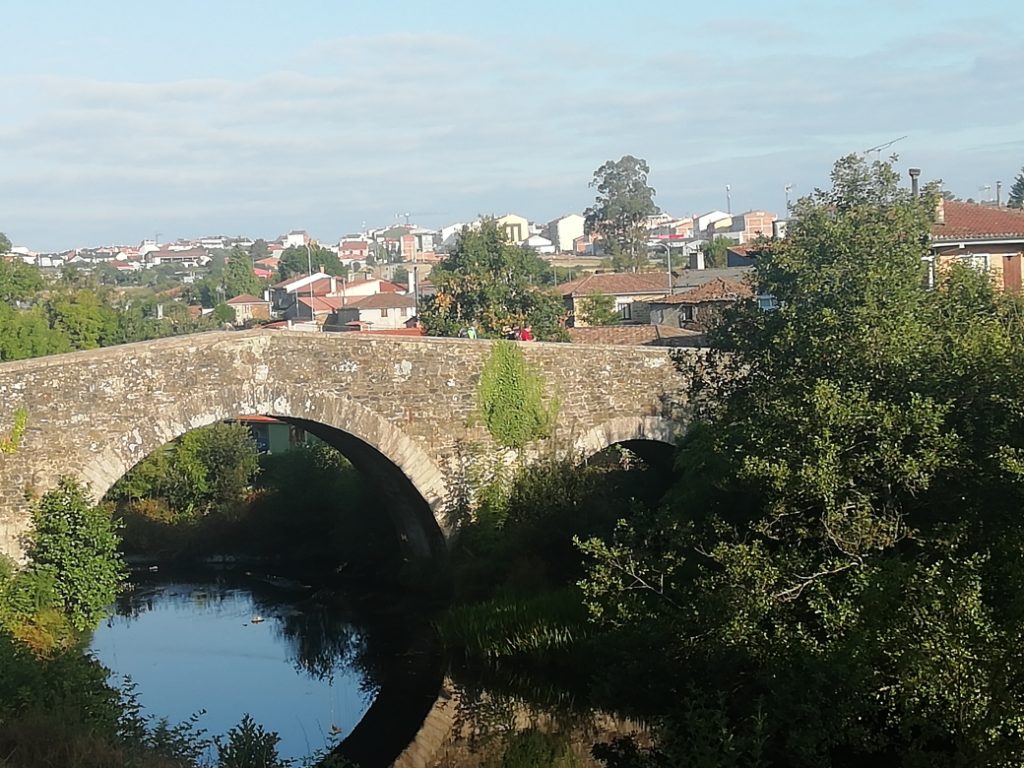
(526, 334)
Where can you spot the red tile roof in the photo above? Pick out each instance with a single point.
(324, 303)
(246, 298)
(970, 221)
(713, 290)
(616, 284)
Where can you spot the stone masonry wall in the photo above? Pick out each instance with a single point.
(96, 414)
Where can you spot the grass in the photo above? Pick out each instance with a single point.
(512, 627)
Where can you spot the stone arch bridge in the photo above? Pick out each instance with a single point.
(400, 409)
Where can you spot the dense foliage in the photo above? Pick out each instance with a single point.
(496, 286)
(212, 466)
(835, 578)
(619, 213)
(716, 252)
(76, 312)
(297, 260)
(211, 493)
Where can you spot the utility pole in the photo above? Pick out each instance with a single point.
(728, 199)
(309, 266)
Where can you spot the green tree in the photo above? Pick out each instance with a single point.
(716, 252)
(223, 313)
(831, 576)
(238, 276)
(19, 281)
(207, 467)
(5, 244)
(74, 544)
(27, 333)
(259, 249)
(295, 261)
(599, 309)
(493, 284)
(1016, 198)
(83, 316)
(400, 276)
(619, 214)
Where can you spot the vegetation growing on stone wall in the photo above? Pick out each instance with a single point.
(511, 398)
(10, 443)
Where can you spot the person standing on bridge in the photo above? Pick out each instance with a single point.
(526, 334)
(471, 332)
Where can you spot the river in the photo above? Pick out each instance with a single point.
(302, 661)
(316, 665)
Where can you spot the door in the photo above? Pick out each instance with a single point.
(1011, 272)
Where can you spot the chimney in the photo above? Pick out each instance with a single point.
(914, 174)
(940, 210)
(999, 193)
(334, 284)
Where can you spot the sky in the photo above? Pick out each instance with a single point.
(125, 120)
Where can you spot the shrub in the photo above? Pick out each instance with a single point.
(74, 544)
(511, 398)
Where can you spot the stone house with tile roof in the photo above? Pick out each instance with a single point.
(627, 288)
(696, 309)
(248, 307)
(989, 238)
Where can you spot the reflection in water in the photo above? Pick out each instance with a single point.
(293, 657)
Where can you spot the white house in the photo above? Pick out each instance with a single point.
(564, 231)
(296, 238)
(540, 244)
(705, 220)
(385, 311)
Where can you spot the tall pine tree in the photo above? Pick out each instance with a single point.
(1016, 199)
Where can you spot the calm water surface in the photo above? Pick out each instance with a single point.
(293, 657)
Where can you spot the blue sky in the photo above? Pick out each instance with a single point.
(124, 119)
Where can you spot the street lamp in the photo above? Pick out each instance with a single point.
(728, 199)
(668, 259)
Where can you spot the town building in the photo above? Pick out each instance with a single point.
(248, 307)
(695, 309)
(987, 238)
(562, 232)
(626, 288)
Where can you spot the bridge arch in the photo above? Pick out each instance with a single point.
(402, 472)
(651, 437)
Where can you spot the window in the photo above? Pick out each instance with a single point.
(625, 311)
(978, 261)
(767, 303)
(383, 311)
(687, 314)
(405, 312)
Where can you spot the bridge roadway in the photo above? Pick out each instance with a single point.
(400, 409)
